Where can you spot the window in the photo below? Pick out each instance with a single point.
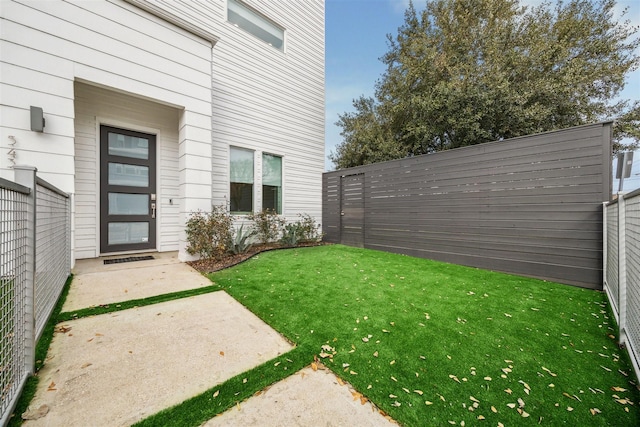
(252, 22)
(272, 183)
(241, 178)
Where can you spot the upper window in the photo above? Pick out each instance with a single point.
(272, 183)
(241, 178)
(249, 20)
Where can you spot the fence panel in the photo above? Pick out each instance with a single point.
(632, 264)
(529, 205)
(52, 249)
(35, 242)
(611, 272)
(14, 315)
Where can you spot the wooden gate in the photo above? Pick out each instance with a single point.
(352, 210)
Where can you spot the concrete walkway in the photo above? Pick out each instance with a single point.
(119, 368)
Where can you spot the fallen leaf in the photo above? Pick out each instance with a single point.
(521, 402)
(393, 396)
(392, 362)
(406, 390)
(569, 408)
(35, 414)
(394, 379)
(426, 402)
(217, 392)
(548, 371)
(511, 405)
(365, 339)
(473, 399)
(353, 372)
(52, 387)
(453, 377)
(480, 417)
(314, 366)
(375, 354)
(494, 410)
(86, 365)
(420, 392)
(615, 388)
(508, 391)
(222, 353)
(595, 411)
(396, 403)
(487, 378)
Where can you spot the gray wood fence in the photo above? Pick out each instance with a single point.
(530, 205)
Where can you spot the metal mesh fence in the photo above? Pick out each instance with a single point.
(52, 250)
(632, 245)
(13, 292)
(611, 273)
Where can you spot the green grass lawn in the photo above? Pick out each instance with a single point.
(436, 344)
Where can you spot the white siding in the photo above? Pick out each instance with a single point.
(96, 106)
(267, 100)
(240, 92)
(48, 46)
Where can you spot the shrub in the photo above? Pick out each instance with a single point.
(240, 242)
(309, 229)
(267, 225)
(291, 234)
(304, 230)
(209, 233)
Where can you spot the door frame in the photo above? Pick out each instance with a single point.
(102, 185)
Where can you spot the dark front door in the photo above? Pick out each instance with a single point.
(352, 210)
(127, 190)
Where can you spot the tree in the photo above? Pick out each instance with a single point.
(463, 72)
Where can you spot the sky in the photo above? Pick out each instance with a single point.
(356, 37)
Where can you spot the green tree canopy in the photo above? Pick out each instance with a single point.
(464, 72)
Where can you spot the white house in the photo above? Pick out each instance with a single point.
(156, 108)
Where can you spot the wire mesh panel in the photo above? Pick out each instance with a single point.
(611, 279)
(13, 295)
(52, 250)
(632, 239)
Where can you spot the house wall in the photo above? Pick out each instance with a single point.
(227, 89)
(49, 46)
(265, 99)
(96, 106)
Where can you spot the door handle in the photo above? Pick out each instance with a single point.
(341, 213)
(153, 210)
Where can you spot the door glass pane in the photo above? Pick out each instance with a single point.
(122, 233)
(131, 175)
(128, 204)
(128, 146)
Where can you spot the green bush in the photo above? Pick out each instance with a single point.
(309, 229)
(291, 234)
(302, 231)
(240, 243)
(209, 233)
(268, 225)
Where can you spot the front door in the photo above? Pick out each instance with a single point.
(127, 190)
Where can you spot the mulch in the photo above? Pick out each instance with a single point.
(229, 260)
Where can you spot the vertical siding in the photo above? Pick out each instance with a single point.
(530, 205)
(96, 106)
(267, 100)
